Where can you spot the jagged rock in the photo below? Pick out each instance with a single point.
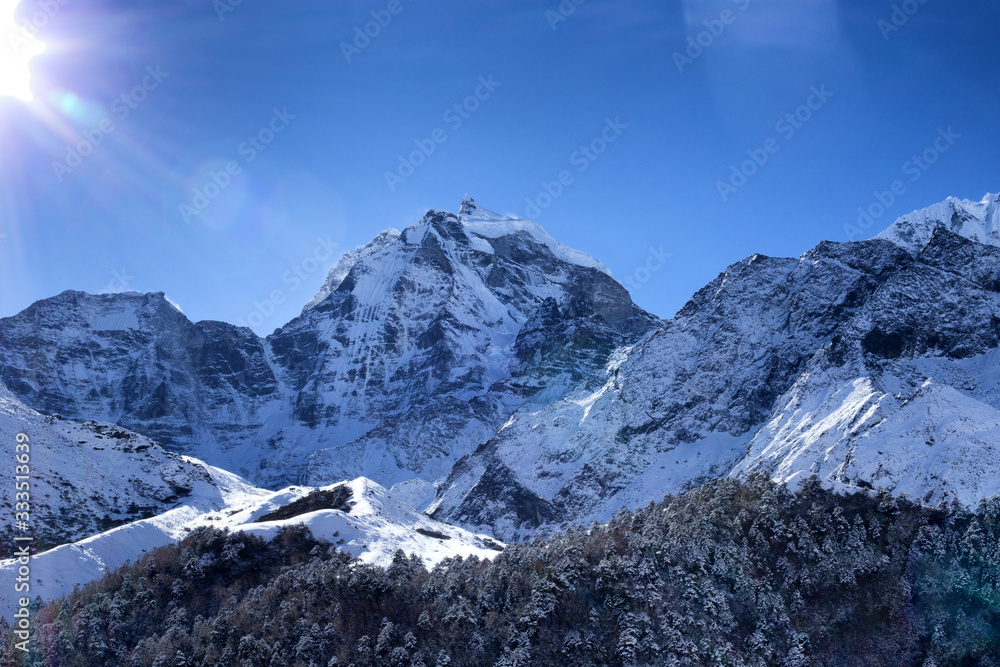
(412, 354)
(872, 364)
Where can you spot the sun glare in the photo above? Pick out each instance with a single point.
(17, 48)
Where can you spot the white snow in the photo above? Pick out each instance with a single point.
(932, 443)
(347, 261)
(977, 221)
(378, 525)
(373, 529)
(487, 224)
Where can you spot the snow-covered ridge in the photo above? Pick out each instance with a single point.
(868, 364)
(477, 222)
(487, 224)
(934, 443)
(347, 261)
(373, 527)
(976, 221)
(85, 478)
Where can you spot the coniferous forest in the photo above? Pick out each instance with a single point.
(729, 573)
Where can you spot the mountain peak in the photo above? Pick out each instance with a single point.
(469, 206)
(474, 224)
(487, 224)
(977, 221)
(470, 210)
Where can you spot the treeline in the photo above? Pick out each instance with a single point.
(727, 574)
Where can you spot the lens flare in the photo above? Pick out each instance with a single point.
(18, 47)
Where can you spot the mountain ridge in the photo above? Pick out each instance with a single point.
(419, 331)
(976, 221)
(712, 391)
(490, 375)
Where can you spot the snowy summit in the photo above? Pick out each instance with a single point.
(976, 221)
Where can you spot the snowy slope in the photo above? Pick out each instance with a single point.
(480, 368)
(372, 528)
(933, 444)
(343, 267)
(859, 362)
(906, 396)
(86, 478)
(976, 221)
(417, 348)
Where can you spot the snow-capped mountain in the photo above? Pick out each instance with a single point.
(359, 517)
(509, 384)
(417, 349)
(861, 362)
(977, 221)
(90, 477)
(434, 335)
(135, 360)
(906, 395)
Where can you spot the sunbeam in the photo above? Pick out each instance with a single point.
(18, 48)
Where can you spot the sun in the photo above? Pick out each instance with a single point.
(18, 46)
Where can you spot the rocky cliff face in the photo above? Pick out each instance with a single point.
(86, 478)
(509, 383)
(418, 347)
(135, 360)
(864, 363)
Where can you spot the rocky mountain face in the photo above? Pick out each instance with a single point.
(434, 335)
(508, 384)
(905, 395)
(88, 478)
(868, 364)
(417, 349)
(135, 360)
(976, 221)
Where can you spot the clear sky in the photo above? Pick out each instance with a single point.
(276, 124)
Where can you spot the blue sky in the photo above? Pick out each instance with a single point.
(276, 124)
